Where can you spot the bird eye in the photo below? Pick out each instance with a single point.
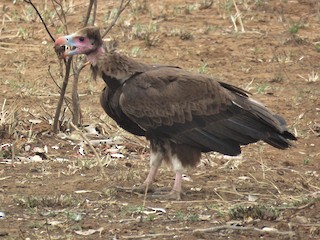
(81, 39)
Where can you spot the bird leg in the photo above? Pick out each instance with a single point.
(175, 193)
(155, 163)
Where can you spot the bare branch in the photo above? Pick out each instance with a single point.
(86, 20)
(75, 96)
(52, 78)
(79, 65)
(67, 101)
(149, 236)
(61, 16)
(94, 12)
(236, 228)
(38, 13)
(121, 8)
(63, 92)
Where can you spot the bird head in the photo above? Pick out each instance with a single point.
(85, 41)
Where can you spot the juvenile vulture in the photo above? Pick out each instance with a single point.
(181, 113)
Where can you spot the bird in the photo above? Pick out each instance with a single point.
(182, 114)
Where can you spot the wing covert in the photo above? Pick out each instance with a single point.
(166, 96)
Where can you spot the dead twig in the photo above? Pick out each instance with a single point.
(237, 17)
(86, 20)
(236, 228)
(92, 149)
(67, 102)
(62, 16)
(43, 22)
(13, 153)
(95, 6)
(121, 8)
(148, 236)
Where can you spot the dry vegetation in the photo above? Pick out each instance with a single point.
(52, 186)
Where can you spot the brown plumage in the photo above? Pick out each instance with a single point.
(181, 113)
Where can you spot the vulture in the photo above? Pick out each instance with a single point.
(181, 113)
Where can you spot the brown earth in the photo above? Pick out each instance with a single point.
(276, 58)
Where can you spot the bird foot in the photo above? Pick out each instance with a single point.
(173, 195)
(143, 188)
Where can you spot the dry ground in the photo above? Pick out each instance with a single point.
(61, 194)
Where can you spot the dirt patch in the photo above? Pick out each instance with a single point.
(60, 194)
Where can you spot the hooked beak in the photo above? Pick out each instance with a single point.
(65, 46)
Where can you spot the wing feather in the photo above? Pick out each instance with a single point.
(199, 111)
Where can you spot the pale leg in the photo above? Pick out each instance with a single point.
(155, 163)
(175, 193)
(177, 183)
(177, 187)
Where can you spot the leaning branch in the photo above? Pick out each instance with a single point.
(86, 20)
(62, 93)
(44, 24)
(236, 228)
(121, 8)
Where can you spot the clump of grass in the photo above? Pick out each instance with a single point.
(278, 77)
(32, 202)
(218, 209)
(74, 216)
(203, 67)
(259, 2)
(151, 217)
(206, 4)
(186, 36)
(140, 7)
(179, 216)
(304, 200)
(209, 28)
(255, 212)
(295, 27)
(189, 8)
(194, 218)
(8, 120)
(146, 33)
(312, 77)
(136, 51)
(306, 161)
(261, 89)
(5, 151)
(35, 224)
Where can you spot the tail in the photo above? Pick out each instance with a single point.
(282, 139)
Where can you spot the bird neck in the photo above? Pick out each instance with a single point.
(94, 56)
(118, 67)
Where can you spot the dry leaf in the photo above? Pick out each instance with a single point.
(252, 198)
(88, 232)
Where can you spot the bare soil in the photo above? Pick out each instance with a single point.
(62, 194)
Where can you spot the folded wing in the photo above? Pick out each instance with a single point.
(200, 111)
